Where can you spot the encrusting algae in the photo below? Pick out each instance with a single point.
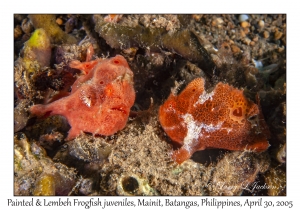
(37, 50)
(45, 185)
(48, 23)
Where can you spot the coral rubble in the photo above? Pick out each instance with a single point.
(37, 174)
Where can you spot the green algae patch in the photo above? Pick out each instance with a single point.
(39, 39)
(45, 185)
(37, 51)
(56, 34)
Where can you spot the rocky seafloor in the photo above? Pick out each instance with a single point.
(245, 51)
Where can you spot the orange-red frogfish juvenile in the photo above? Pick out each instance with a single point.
(223, 118)
(100, 100)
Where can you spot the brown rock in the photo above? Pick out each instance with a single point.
(280, 49)
(243, 34)
(27, 26)
(197, 17)
(219, 21)
(59, 21)
(255, 39)
(261, 24)
(246, 41)
(277, 35)
(17, 31)
(245, 24)
(235, 49)
(283, 39)
(213, 23)
(246, 30)
(266, 34)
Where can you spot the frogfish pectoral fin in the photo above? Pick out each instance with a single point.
(181, 155)
(258, 146)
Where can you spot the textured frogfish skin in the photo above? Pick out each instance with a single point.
(100, 100)
(223, 118)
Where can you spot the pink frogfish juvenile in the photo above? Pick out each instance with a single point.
(223, 118)
(100, 99)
